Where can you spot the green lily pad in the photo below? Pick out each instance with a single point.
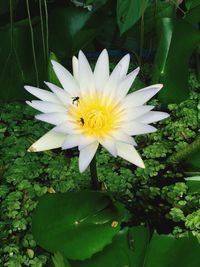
(132, 248)
(127, 249)
(167, 251)
(78, 224)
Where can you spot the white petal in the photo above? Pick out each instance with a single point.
(66, 79)
(136, 128)
(42, 94)
(140, 97)
(109, 144)
(129, 153)
(153, 116)
(71, 141)
(86, 79)
(86, 155)
(123, 137)
(54, 118)
(45, 106)
(126, 83)
(61, 94)
(85, 141)
(124, 63)
(75, 68)
(48, 141)
(67, 127)
(109, 91)
(135, 112)
(101, 71)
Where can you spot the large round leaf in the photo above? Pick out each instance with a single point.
(127, 249)
(167, 251)
(78, 224)
(131, 248)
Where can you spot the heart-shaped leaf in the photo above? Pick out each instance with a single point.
(131, 247)
(127, 249)
(129, 12)
(78, 224)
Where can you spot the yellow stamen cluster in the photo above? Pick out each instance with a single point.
(96, 116)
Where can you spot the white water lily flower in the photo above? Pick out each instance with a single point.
(95, 108)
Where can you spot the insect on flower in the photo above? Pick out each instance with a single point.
(75, 99)
(99, 101)
(82, 121)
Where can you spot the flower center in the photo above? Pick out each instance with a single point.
(95, 116)
(96, 119)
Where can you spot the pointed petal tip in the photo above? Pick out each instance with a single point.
(74, 58)
(160, 86)
(104, 52)
(31, 149)
(137, 69)
(166, 115)
(28, 88)
(141, 165)
(81, 171)
(80, 53)
(53, 62)
(82, 168)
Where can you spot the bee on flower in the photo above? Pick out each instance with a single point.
(94, 108)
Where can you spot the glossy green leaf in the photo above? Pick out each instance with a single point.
(78, 224)
(167, 251)
(153, 13)
(71, 29)
(193, 183)
(127, 249)
(129, 12)
(177, 43)
(51, 74)
(131, 247)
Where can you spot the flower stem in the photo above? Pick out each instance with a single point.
(93, 171)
